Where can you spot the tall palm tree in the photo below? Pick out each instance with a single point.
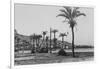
(62, 35)
(70, 14)
(55, 31)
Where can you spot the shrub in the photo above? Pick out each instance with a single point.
(43, 50)
(62, 52)
(33, 50)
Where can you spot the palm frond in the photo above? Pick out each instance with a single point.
(44, 32)
(63, 15)
(66, 13)
(75, 12)
(69, 10)
(62, 34)
(71, 13)
(54, 31)
(80, 14)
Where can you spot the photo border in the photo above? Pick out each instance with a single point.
(12, 2)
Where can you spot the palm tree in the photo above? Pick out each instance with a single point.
(50, 40)
(47, 38)
(70, 14)
(37, 42)
(38, 37)
(55, 31)
(44, 33)
(33, 38)
(62, 35)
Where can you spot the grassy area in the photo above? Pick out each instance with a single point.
(44, 58)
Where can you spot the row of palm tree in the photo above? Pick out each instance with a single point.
(36, 38)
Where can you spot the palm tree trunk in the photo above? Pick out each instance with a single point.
(73, 53)
(38, 43)
(43, 37)
(43, 41)
(62, 41)
(47, 44)
(54, 35)
(54, 41)
(50, 41)
(33, 46)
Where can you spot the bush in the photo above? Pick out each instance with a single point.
(43, 50)
(16, 50)
(62, 52)
(33, 50)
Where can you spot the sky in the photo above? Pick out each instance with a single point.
(31, 19)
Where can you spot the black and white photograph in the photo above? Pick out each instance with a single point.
(46, 34)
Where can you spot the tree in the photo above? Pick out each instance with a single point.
(45, 49)
(47, 38)
(62, 35)
(32, 38)
(70, 14)
(50, 40)
(38, 37)
(44, 33)
(54, 31)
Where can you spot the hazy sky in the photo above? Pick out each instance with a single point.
(31, 19)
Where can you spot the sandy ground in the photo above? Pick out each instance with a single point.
(44, 58)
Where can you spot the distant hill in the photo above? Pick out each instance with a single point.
(27, 38)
